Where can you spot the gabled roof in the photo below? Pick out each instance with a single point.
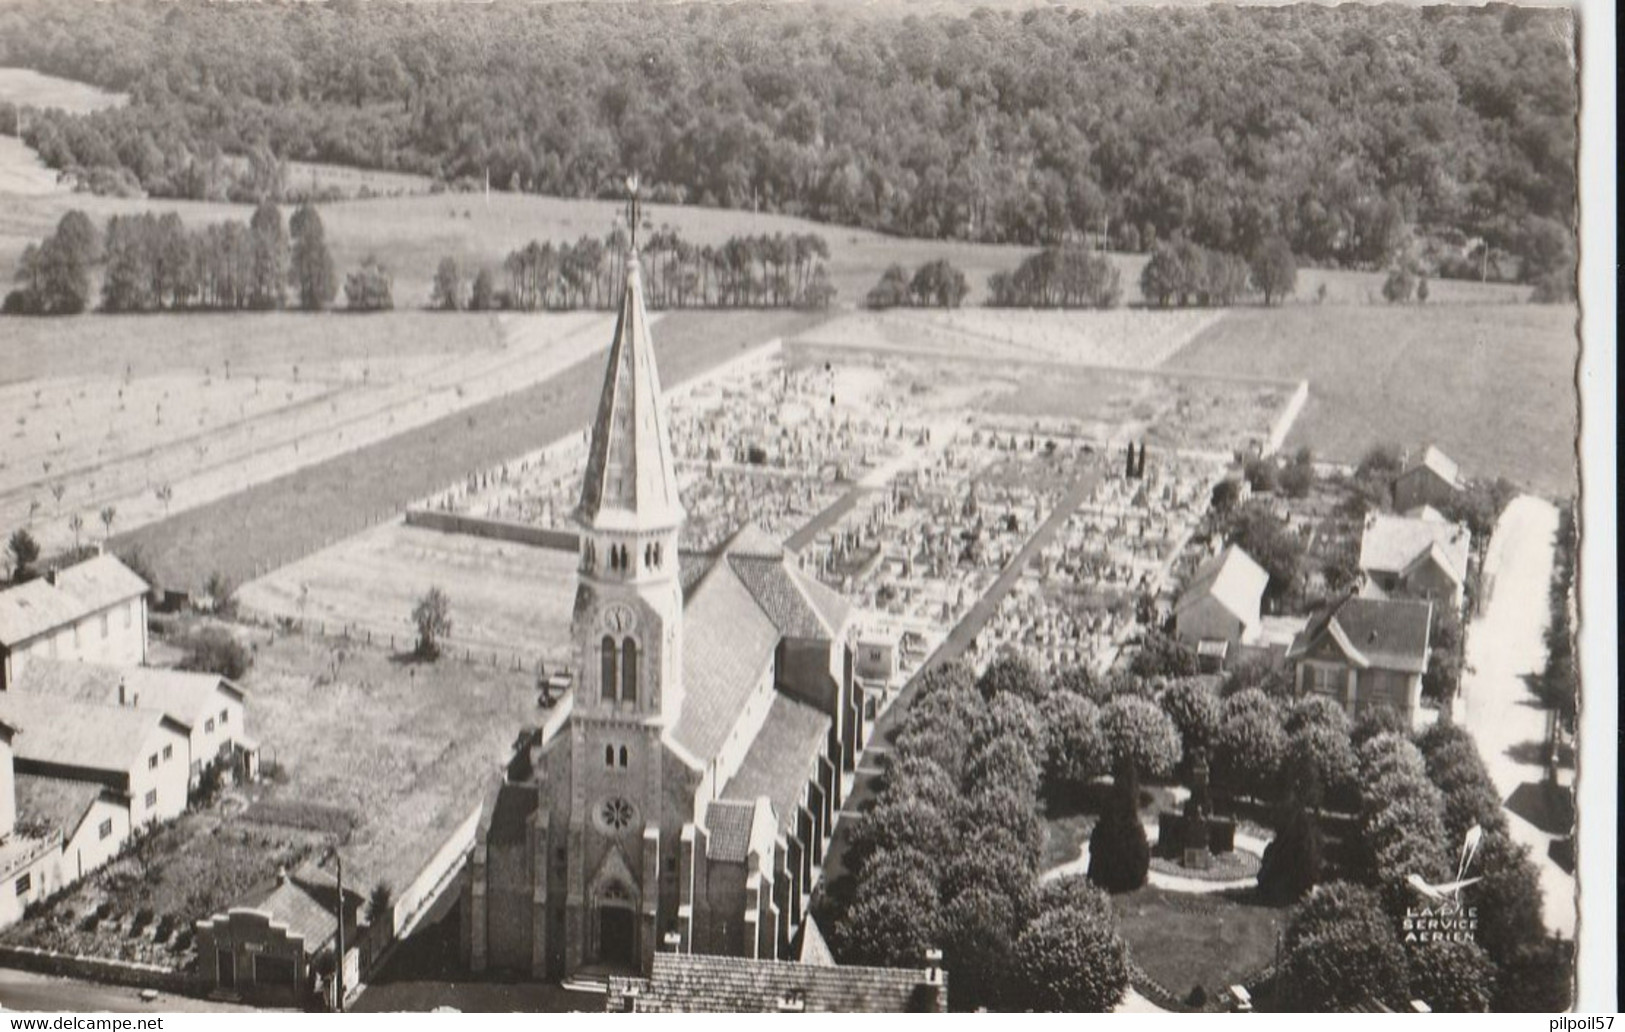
(54, 804)
(1393, 544)
(728, 823)
(1231, 578)
(186, 697)
(781, 759)
(814, 950)
(1372, 633)
(631, 480)
(81, 735)
(729, 645)
(306, 903)
(30, 610)
(1439, 463)
(691, 982)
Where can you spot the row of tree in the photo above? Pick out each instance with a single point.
(1184, 273)
(152, 262)
(1342, 129)
(936, 284)
(1067, 276)
(747, 271)
(948, 857)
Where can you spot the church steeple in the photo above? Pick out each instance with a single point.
(631, 480)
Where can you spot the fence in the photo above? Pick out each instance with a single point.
(400, 640)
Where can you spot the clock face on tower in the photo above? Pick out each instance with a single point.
(620, 618)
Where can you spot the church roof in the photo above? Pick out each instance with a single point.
(631, 479)
(728, 648)
(728, 823)
(781, 758)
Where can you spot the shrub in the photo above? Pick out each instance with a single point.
(1070, 960)
(1451, 977)
(1119, 855)
(1292, 861)
(1141, 737)
(1078, 749)
(1162, 655)
(1011, 673)
(1340, 951)
(432, 617)
(1250, 745)
(1194, 709)
(214, 650)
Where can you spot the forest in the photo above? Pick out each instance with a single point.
(1362, 136)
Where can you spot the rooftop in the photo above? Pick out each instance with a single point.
(1386, 634)
(779, 759)
(1390, 544)
(1233, 579)
(88, 736)
(30, 610)
(53, 804)
(1437, 461)
(182, 695)
(685, 982)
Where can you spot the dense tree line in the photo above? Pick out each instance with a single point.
(1352, 133)
(1069, 276)
(936, 284)
(755, 271)
(948, 857)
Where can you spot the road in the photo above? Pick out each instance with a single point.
(1505, 646)
(959, 639)
(27, 991)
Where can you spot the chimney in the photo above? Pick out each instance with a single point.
(793, 1002)
(673, 942)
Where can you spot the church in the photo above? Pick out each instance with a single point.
(681, 797)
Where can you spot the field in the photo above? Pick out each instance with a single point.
(276, 521)
(1493, 385)
(513, 600)
(28, 88)
(108, 409)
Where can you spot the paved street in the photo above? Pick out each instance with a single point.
(1505, 646)
(27, 991)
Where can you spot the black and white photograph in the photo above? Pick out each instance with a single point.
(886, 506)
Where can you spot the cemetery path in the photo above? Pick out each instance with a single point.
(1505, 647)
(866, 784)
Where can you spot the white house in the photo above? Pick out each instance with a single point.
(1415, 558)
(30, 855)
(1220, 608)
(95, 611)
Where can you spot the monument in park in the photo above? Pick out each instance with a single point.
(1195, 836)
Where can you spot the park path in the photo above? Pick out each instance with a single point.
(1505, 647)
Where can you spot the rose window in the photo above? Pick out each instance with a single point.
(616, 814)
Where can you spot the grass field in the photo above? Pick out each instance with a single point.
(505, 598)
(28, 88)
(109, 408)
(405, 749)
(1184, 940)
(276, 521)
(1490, 384)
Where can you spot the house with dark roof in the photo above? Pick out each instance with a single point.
(1432, 479)
(686, 983)
(1365, 654)
(95, 610)
(208, 706)
(683, 794)
(1403, 557)
(1221, 607)
(264, 947)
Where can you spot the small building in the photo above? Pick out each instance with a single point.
(91, 820)
(208, 706)
(878, 655)
(1366, 654)
(1221, 607)
(138, 753)
(30, 856)
(265, 947)
(681, 983)
(1415, 558)
(95, 610)
(1433, 479)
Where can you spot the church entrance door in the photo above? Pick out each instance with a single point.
(615, 935)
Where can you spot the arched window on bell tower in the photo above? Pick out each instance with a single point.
(606, 672)
(629, 671)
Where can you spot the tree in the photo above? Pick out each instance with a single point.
(1070, 960)
(892, 291)
(380, 903)
(1078, 750)
(1256, 531)
(1451, 977)
(1140, 737)
(1400, 285)
(979, 928)
(1537, 977)
(1292, 863)
(56, 273)
(1322, 755)
(1454, 765)
(448, 286)
(370, 288)
(1339, 951)
(312, 262)
(108, 515)
(1012, 673)
(893, 917)
(432, 617)
(214, 650)
(1194, 709)
(76, 523)
(165, 493)
(1250, 745)
(482, 297)
(938, 284)
(25, 553)
(271, 257)
(1275, 269)
(1119, 853)
(1509, 899)
(1163, 655)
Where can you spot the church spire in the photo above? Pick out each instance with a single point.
(631, 479)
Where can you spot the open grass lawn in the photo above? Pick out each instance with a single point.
(280, 520)
(1185, 940)
(28, 88)
(404, 750)
(1493, 385)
